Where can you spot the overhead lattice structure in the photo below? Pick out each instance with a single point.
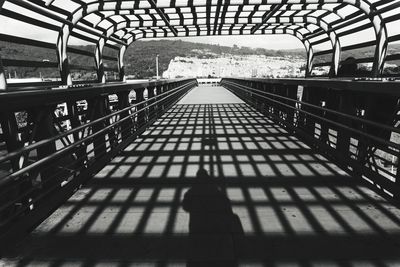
(329, 30)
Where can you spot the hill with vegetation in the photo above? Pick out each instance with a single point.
(140, 57)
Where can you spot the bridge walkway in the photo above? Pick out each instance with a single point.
(269, 200)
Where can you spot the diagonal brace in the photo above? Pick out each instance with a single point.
(266, 17)
(164, 17)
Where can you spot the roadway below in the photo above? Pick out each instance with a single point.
(261, 198)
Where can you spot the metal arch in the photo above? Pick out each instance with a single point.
(325, 26)
(286, 8)
(307, 44)
(154, 23)
(289, 7)
(285, 30)
(126, 24)
(336, 47)
(95, 6)
(308, 47)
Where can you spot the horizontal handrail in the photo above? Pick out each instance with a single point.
(346, 84)
(352, 117)
(360, 145)
(388, 143)
(91, 139)
(26, 97)
(65, 150)
(35, 145)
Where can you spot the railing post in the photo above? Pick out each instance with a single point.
(307, 122)
(141, 115)
(291, 92)
(346, 105)
(264, 106)
(127, 126)
(42, 118)
(380, 109)
(275, 91)
(158, 93)
(257, 98)
(97, 108)
(10, 133)
(75, 122)
(150, 101)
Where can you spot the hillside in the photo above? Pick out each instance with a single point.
(140, 57)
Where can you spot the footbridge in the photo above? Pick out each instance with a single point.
(195, 172)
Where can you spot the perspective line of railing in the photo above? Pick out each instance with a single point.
(36, 171)
(358, 130)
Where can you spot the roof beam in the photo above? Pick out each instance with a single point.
(217, 16)
(163, 17)
(266, 17)
(55, 17)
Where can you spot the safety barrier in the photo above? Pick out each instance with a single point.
(354, 122)
(52, 152)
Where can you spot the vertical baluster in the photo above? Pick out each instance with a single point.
(42, 118)
(127, 126)
(151, 99)
(141, 115)
(97, 107)
(75, 122)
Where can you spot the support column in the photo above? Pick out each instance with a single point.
(381, 48)
(98, 55)
(336, 51)
(310, 62)
(62, 55)
(121, 66)
(3, 81)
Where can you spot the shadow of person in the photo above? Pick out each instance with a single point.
(212, 224)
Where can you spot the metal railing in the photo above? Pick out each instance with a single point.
(355, 123)
(51, 154)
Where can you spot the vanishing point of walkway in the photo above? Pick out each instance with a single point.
(269, 200)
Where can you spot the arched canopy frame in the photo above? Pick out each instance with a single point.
(175, 18)
(319, 22)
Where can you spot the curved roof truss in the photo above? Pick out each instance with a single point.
(117, 24)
